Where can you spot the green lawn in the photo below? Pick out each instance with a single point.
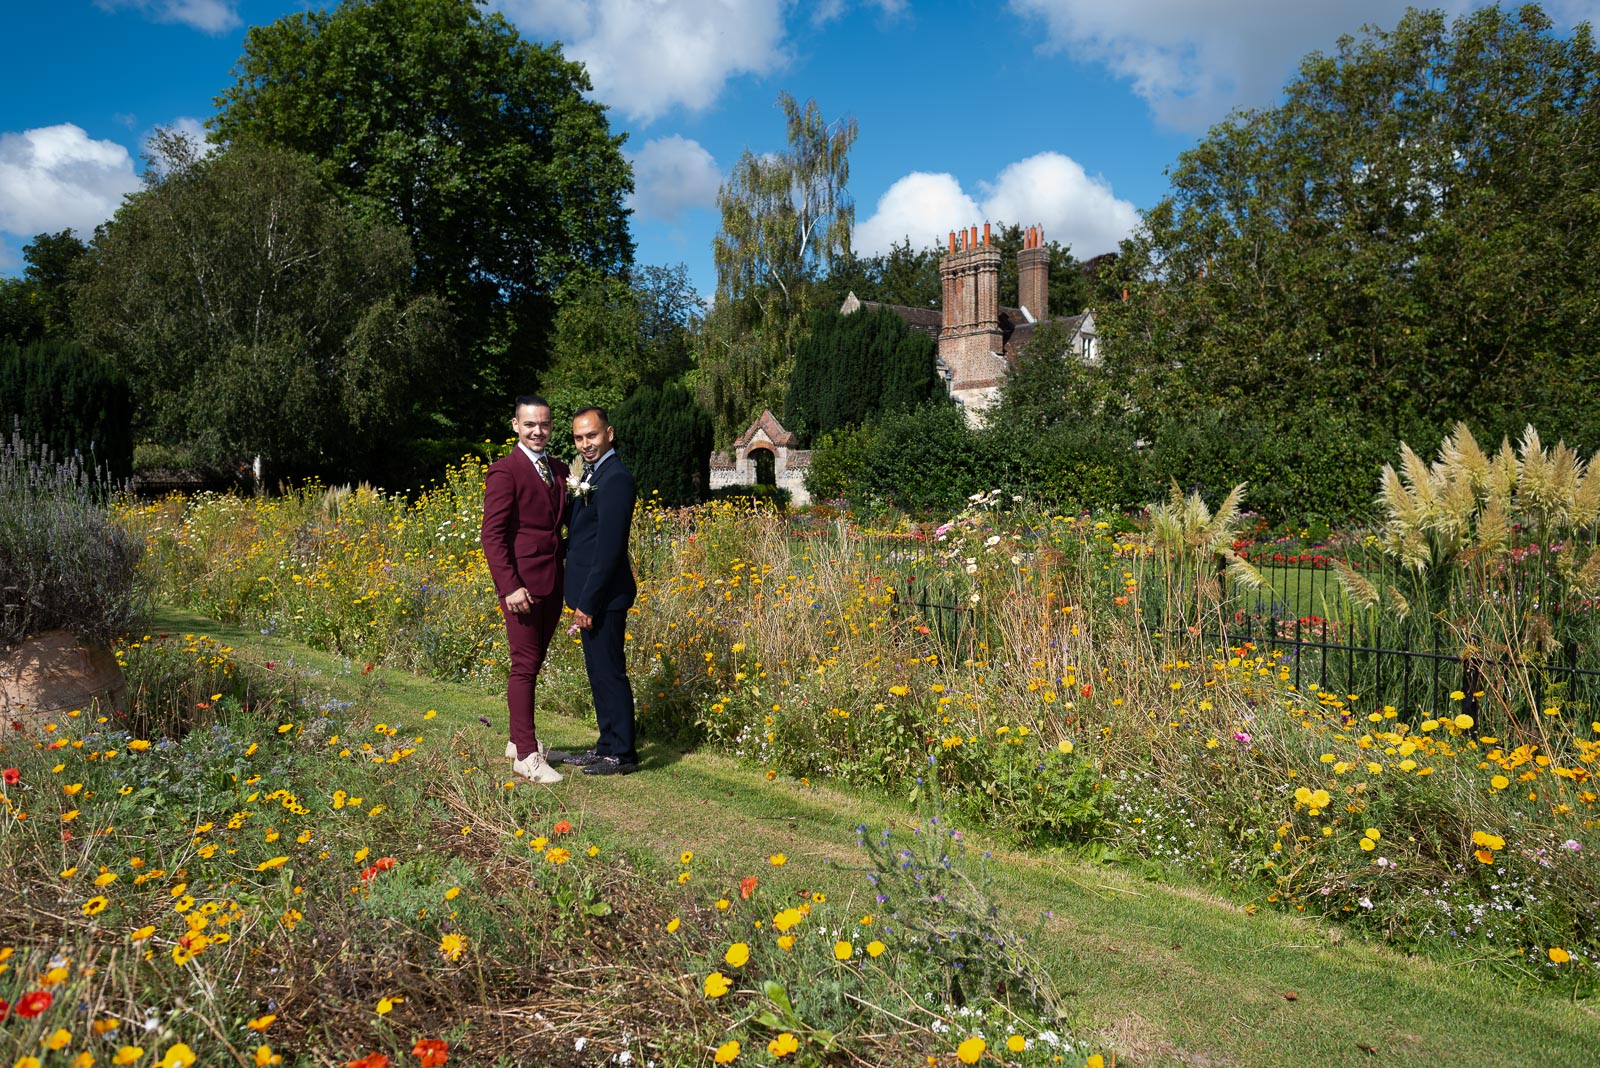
(1164, 974)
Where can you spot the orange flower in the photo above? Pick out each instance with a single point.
(431, 1051)
(561, 828)
(747, 886)
(371, 1060)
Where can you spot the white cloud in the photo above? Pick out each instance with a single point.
(1192, 63)
(825, 11)
(672, 175)
(58, 177)
(1048, 189)
(647, 57)
(209, 16)
(918, 208)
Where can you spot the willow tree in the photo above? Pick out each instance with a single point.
(786, 218)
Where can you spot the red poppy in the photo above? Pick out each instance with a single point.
(34, 1002)
(561, 828)
(5, 1009)
(1087, 691)
(13, 776)
(747, 886)
(371, 1060)
(382, 864)
(432, 1051)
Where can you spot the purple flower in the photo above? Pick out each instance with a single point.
(1572, 845)
(1241, 737)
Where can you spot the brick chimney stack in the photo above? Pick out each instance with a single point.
(970, 340)
(1033, 274)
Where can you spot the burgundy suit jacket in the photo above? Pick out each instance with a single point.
(522, 520)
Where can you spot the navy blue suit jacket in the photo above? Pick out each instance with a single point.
(599, 572)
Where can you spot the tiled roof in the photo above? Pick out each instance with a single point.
(774, 430)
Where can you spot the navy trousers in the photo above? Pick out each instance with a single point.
(604, 660)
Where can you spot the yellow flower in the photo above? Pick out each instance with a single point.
(142, 933)
(26, 1062)
(1368, 844)
(686, 857)
(58, 1039)
(452, 893)
(138, 745)
(786, 942)
(95, 905)
(261, 1023)
(843, 950)
(722, 904)
(128, 1055)
(875, 948)
(1500, 782)
(594, 851)
(970, 1050)
(783, 1045)
(1096, 1061)
(727, 1053)
(738, 954)
(179, 1056)
(1487, 840)
(264, 1057)
(1016, 1043)
(386, 1005)
(717, 985)
(272, 862)
(777, 860)
(82, 1060)
(430, 713)
(452, 945)
(1372, 833)
(900, 691)
(1463, 721)
(1559, 955)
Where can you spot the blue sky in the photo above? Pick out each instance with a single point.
(1059, 112)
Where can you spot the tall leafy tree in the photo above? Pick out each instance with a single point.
(255, 314)
(1401, 241)
(786, 219)
(483, 147)
(38, 305)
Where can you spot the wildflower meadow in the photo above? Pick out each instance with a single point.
(255, 857)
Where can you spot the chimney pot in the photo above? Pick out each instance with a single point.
(952, 240)
(985, 233)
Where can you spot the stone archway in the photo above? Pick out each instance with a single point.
(764, 463)
(765, 454)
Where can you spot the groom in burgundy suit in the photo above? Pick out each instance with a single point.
(524, 502)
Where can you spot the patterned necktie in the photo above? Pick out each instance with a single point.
(544, 472)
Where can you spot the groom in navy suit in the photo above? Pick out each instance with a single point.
(600, 588)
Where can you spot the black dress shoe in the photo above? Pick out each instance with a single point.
(582, 760)
(610, 765)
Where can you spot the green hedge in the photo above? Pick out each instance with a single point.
(75, 403)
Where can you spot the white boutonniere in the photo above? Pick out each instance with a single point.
(579, 486)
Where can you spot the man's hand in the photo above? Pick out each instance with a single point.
(519, 601)
(581, 619)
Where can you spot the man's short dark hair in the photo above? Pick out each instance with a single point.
(596, 409)
(529, 400)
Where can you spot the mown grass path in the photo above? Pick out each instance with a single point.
(1165, 975)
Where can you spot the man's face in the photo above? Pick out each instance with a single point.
(532, 426)
(592, 437)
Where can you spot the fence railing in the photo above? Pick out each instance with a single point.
(1479, 641)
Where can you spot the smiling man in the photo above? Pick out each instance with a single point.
(600, 589)
(524, 505)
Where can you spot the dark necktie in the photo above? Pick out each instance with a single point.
(544, 472)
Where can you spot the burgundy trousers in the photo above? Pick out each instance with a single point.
(528, 634)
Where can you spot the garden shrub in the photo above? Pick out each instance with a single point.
(666, 439)
(63, 563)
